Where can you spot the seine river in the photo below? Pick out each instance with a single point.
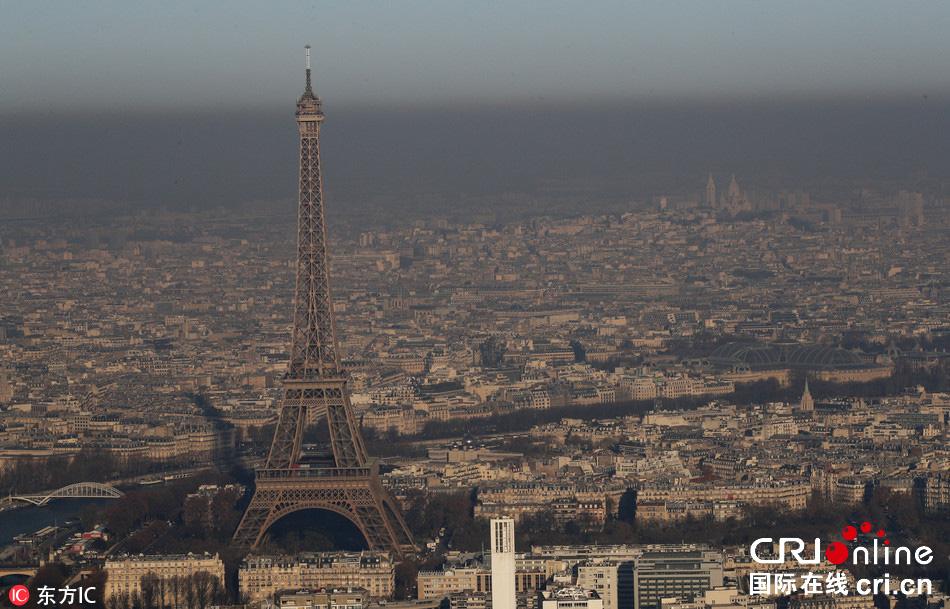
(32, 518)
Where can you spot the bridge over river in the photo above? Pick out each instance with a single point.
(80, 490)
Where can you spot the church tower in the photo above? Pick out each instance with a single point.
(710, 192)
(733, 193)
(807, 404)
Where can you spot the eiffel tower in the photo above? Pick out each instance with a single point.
(347, 482)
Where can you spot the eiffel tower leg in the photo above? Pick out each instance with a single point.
(252, 526)
(348, 449)
(392, 515)
(288, 436)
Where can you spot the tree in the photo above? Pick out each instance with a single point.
(122, 601)
(97, 581)
(224, 518)
(881, 601)
(162, 593)
(405, 575)
(176, 591)
(47, 575)
(89, 517)
(622, 532)
(149, 590)
(205, 586)
(194, 515)
(126, 513)
(191, 592)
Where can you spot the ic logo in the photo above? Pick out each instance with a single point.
(19, 595)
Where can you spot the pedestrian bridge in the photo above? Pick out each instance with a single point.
(73, 491)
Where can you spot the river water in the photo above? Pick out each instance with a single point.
(33, 518)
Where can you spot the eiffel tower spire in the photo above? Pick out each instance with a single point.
(309, 89)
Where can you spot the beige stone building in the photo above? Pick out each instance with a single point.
(125, 572)
(439, 584)
(349, 598)
(260, 577)
(791, 494)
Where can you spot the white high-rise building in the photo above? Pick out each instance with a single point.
(503, 563)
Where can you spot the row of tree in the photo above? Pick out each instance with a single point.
(195, 591)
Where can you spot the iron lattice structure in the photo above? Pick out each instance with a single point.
(80, 489)
(315, 387)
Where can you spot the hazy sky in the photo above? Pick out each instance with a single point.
(105, 54)
(191, 102)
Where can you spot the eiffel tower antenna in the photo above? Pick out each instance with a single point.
(315, 387)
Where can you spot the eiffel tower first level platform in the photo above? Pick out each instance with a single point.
(346, 482)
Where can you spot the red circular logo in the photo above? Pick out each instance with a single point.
(836, 553)
(19, 595)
